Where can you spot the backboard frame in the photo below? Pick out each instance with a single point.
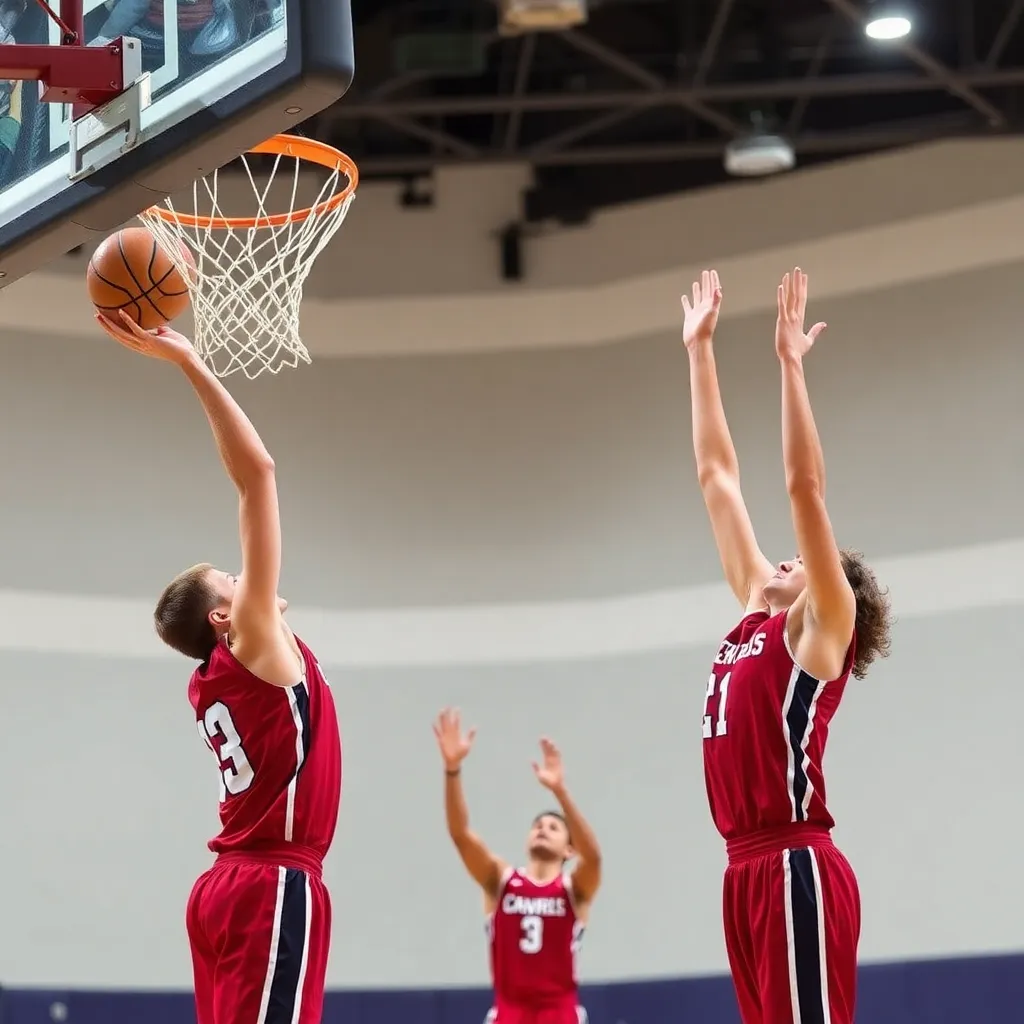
(317, 69)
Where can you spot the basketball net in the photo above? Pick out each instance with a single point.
(246, 285)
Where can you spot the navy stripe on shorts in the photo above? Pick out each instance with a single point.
(291, 948)
(806, 959)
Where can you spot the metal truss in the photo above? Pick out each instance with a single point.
(971, 97)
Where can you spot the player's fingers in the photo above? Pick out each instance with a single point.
(687, 308)
(705, 282)
(118, 334)
(816, 330)
(715, 282)
(780, 298)
(471, 735)
(133, 327)
(696, 293)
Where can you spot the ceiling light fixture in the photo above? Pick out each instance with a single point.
(886, 22)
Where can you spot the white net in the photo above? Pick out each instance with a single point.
(246, 285)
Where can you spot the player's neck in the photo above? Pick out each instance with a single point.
(543, 871)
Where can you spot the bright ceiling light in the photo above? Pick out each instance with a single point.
(888, 26)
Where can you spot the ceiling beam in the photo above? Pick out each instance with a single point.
(524, 64)
(652, 82)
(821, 144)
(443, 140)
(831, 85)
(814, 69)
(950, 81)
(710, 49)
(1004, 33)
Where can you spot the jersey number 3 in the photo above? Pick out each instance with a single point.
(533, 934)
(717, 728)
(236, 773)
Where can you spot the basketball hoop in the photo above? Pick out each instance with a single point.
(246, 287)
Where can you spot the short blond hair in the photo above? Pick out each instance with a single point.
(182, 615)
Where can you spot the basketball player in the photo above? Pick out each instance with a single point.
(535, 915)
(791, 902)
(259, 921)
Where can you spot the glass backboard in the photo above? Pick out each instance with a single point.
(224, 75)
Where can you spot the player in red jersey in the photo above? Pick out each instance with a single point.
(535, 915)
(259, 921)
(791, 902)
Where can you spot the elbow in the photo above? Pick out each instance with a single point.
(713, 474)
(262, 470)
(459, 837)
(803, 487)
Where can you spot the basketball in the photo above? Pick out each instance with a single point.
(130, 271)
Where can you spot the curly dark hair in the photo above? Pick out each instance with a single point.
(874, 614)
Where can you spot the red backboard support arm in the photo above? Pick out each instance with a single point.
(71, 72)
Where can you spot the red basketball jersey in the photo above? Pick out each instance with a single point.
(278, 751)
(766, 724)
(534, 938)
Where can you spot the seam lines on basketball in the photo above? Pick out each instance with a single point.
(156, 250)
(143, 291)
(131, 297)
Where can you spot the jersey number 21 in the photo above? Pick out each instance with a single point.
(716, 728)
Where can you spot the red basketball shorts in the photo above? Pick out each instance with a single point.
(260, 934)
(792, 924)
(511, 1013)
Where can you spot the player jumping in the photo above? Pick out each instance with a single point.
(791, 902)
(535, 915)
(259, 921)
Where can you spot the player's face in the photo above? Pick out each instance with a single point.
(549, 839)
(226, 584)
(786, 585)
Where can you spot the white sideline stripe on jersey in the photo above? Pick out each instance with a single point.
(794, 676)
(289, 814)
(809, 788)
(794, 990)
(275, 939)
(300, 987)
(819, 904)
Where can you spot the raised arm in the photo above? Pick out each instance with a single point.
(483, 866)
(821, 629)
(257, 632)
(586, 875)
(718, 469)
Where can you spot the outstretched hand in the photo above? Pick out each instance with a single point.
(453, 743)
(700, 315)
(790, 339)
(550, 771)
(161, 343)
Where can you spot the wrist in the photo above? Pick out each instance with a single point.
(791, 360)
(192, 365)
(453, 770)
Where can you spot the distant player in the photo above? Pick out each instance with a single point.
(535, 915)
(259, 921)
(791, 902)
